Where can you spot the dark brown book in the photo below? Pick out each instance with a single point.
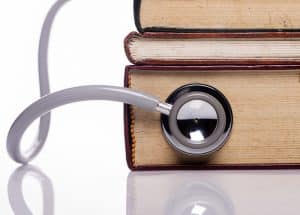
(265, 100)
(213, 48)
(216, 15)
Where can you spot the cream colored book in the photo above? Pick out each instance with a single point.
(197, 15)
(213, 48)
(265, 101)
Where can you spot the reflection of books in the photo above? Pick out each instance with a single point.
(216, 15)
(209, 48)
(265, 102)
(209, 192)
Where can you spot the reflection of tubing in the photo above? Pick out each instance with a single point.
(199, 198)
(15, 191)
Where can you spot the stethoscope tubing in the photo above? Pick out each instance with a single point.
(47, 102)
(68, 96)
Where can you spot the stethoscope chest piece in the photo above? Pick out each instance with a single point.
(199, 122)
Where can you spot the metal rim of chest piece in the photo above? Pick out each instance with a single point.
(210, 103)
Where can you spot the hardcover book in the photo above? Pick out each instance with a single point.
(217, 15)
(265, 100)
(213, 48)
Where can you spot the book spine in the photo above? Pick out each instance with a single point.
(137, 20)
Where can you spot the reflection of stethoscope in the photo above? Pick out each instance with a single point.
(196, 119)
(199, 198)
(189, 194)
(192, 197)
(15, 193)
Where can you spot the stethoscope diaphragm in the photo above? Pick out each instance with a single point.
(199, 122)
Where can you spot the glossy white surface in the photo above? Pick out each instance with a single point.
(166, 193)
(214, 192)
(86, 48)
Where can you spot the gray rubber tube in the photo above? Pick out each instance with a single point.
(42, 107)
(67, 96)
(44, 83)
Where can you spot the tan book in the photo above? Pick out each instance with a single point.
(212, 15)
(266, 110)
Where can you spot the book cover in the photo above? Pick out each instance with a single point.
(216, 15)
(265, 100)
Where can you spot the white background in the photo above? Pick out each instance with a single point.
(85, 156)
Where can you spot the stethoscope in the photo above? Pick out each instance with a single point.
(196, 119)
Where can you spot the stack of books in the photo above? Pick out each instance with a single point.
(248, 49)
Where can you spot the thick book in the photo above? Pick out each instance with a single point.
(217, 15)
(265, 100)
(213, 48)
